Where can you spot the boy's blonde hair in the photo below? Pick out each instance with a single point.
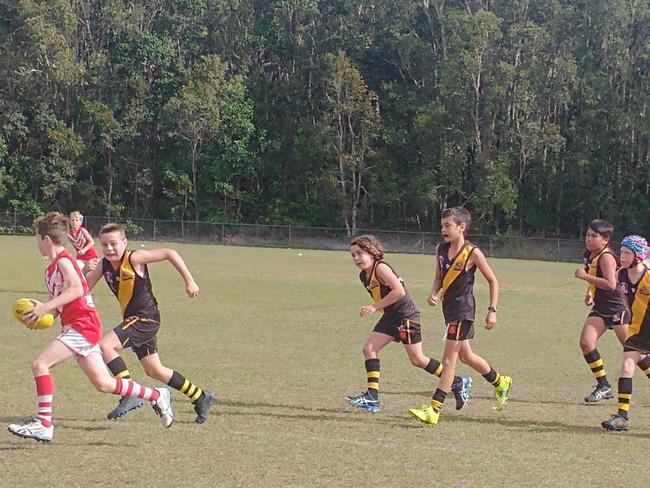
(460, 215)
(370, 244)
(55, 225)
(76, 213)
(112, 227)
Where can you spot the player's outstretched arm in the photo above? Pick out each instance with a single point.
(94, 273)
(142, 256)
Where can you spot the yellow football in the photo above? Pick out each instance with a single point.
(23, 305)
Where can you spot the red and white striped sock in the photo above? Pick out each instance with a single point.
(129, 388)
(44, 394)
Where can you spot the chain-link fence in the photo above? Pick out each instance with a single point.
(259, 235)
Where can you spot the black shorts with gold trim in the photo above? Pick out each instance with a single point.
(637, 342)
(139, 333)
(612, 320)
(462, 330)
(406, 331)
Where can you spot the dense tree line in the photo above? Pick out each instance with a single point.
(533, 113)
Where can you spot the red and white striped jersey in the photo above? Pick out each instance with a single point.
(80, 314)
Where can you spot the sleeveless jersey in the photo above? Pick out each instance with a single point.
(458, 301)
(404, 308)
(78, 241)
(134, 292)
(638, 299)
(79, 314)
(605, 302)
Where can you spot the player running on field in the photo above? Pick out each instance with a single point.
(400, 322)
(127, 275)
(70, 299)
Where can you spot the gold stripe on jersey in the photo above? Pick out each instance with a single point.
(456, 268)
(127, 282)
(641, 301)
(374, 287)
(593, 270)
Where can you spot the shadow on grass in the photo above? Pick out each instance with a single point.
(342, 415)
(427, 394)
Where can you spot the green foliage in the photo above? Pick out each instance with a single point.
(347, 113)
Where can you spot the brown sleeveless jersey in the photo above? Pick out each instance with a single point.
(458, 301)
(404, 308)
(134, 292)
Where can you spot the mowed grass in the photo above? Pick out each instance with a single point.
(277, 336)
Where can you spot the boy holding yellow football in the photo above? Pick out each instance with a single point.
(70, 299)
(127, 275)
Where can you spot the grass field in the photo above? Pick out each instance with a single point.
(277, 336)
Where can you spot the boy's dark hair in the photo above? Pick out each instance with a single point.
(370, 244)
(112, 227)
(55, 225)
(602, 227)
(460, 215)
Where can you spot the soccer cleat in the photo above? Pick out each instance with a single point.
(425, 414)
(461, 390)
(601, 392)
(501, 392)
(616, 423)
(125, 405)
(32, 429)
(364, 401)
(163, 407)
(202, 407)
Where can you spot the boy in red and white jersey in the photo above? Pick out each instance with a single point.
(81, 240)
(70, 299)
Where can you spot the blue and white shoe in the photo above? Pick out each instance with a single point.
(461, 390)
(364, 401)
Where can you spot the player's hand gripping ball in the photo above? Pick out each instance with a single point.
(23, 305)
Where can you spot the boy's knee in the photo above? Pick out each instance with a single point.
(39, 368)
(586, 346)
(368, 350)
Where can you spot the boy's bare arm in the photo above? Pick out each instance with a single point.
(433, 299)
(608, 266)
(73, 289)
(89, 241)
(142, 256)
(390, 279)
(94, 274)
(479, 260)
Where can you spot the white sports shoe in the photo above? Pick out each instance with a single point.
(163, 407)
(32, 429)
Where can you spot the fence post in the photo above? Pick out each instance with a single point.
(557, 259)
(223, 234)
(13, 227)
(289, 245)
(154, 230)
(490, 247)
(422, 243)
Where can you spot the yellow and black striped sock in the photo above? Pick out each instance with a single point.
(186, 387)
(624, 395)
(372, 369)
(492, 377)
(595, 362)
(644, 365)
(118, 368)
(438, 399)
(434, 367)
